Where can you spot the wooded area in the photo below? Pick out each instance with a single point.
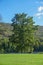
(23, 37)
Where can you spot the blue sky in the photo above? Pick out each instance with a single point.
(8, 8)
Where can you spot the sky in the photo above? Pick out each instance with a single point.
(8, 9)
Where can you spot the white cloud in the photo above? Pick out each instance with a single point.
(40, 8)
(39, 14)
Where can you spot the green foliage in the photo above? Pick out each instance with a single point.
(23, 36)
(23, 28)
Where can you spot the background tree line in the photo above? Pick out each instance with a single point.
(23, 39)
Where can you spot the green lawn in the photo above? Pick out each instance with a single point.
(21, 59)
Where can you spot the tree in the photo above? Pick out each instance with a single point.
(23, 38)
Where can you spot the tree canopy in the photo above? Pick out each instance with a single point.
(23, 38)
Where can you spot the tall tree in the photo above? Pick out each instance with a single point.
(23, 38)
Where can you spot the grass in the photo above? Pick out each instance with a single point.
(21, 59)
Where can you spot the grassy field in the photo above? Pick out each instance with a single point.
(21, 59)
